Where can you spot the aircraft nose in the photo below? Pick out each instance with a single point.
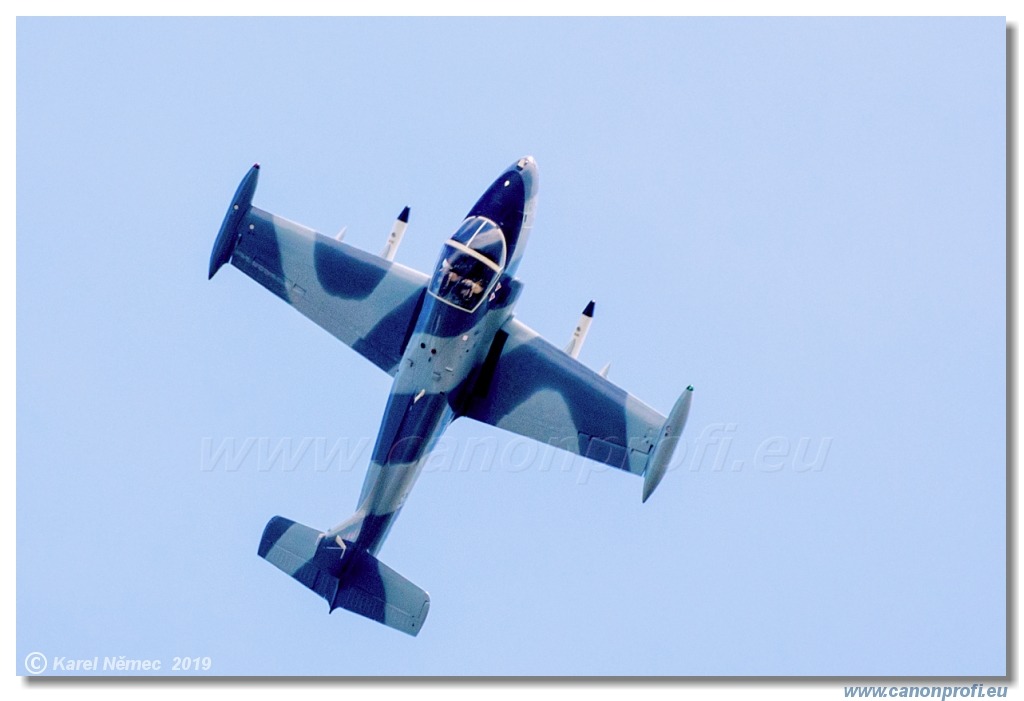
(510, 199)
(527, 163)
(526, 167)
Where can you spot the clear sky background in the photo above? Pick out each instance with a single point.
(803, 218)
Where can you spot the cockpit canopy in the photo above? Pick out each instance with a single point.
(470, 264)
(485, 237)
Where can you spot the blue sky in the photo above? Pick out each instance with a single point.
(803, 218)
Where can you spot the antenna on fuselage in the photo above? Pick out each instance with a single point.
(395, 237)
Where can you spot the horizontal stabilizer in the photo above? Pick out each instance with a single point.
(346, 577)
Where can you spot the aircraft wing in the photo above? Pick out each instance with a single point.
(532, 388)
(363, 300)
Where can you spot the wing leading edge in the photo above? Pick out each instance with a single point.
(363, 300)
(532, 388)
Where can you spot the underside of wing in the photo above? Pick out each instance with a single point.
(532, 388)
(365, 301)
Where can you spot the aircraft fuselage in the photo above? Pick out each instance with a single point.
(472, 294)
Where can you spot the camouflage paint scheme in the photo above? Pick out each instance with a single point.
(459, 353)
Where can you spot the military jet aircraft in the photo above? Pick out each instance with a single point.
(454, 348)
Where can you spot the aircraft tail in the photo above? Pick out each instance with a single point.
(345, 576)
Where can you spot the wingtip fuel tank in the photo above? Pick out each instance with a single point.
(666, 445)
(227, 238)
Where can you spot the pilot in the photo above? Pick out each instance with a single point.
(451, 277)
(472, 288)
